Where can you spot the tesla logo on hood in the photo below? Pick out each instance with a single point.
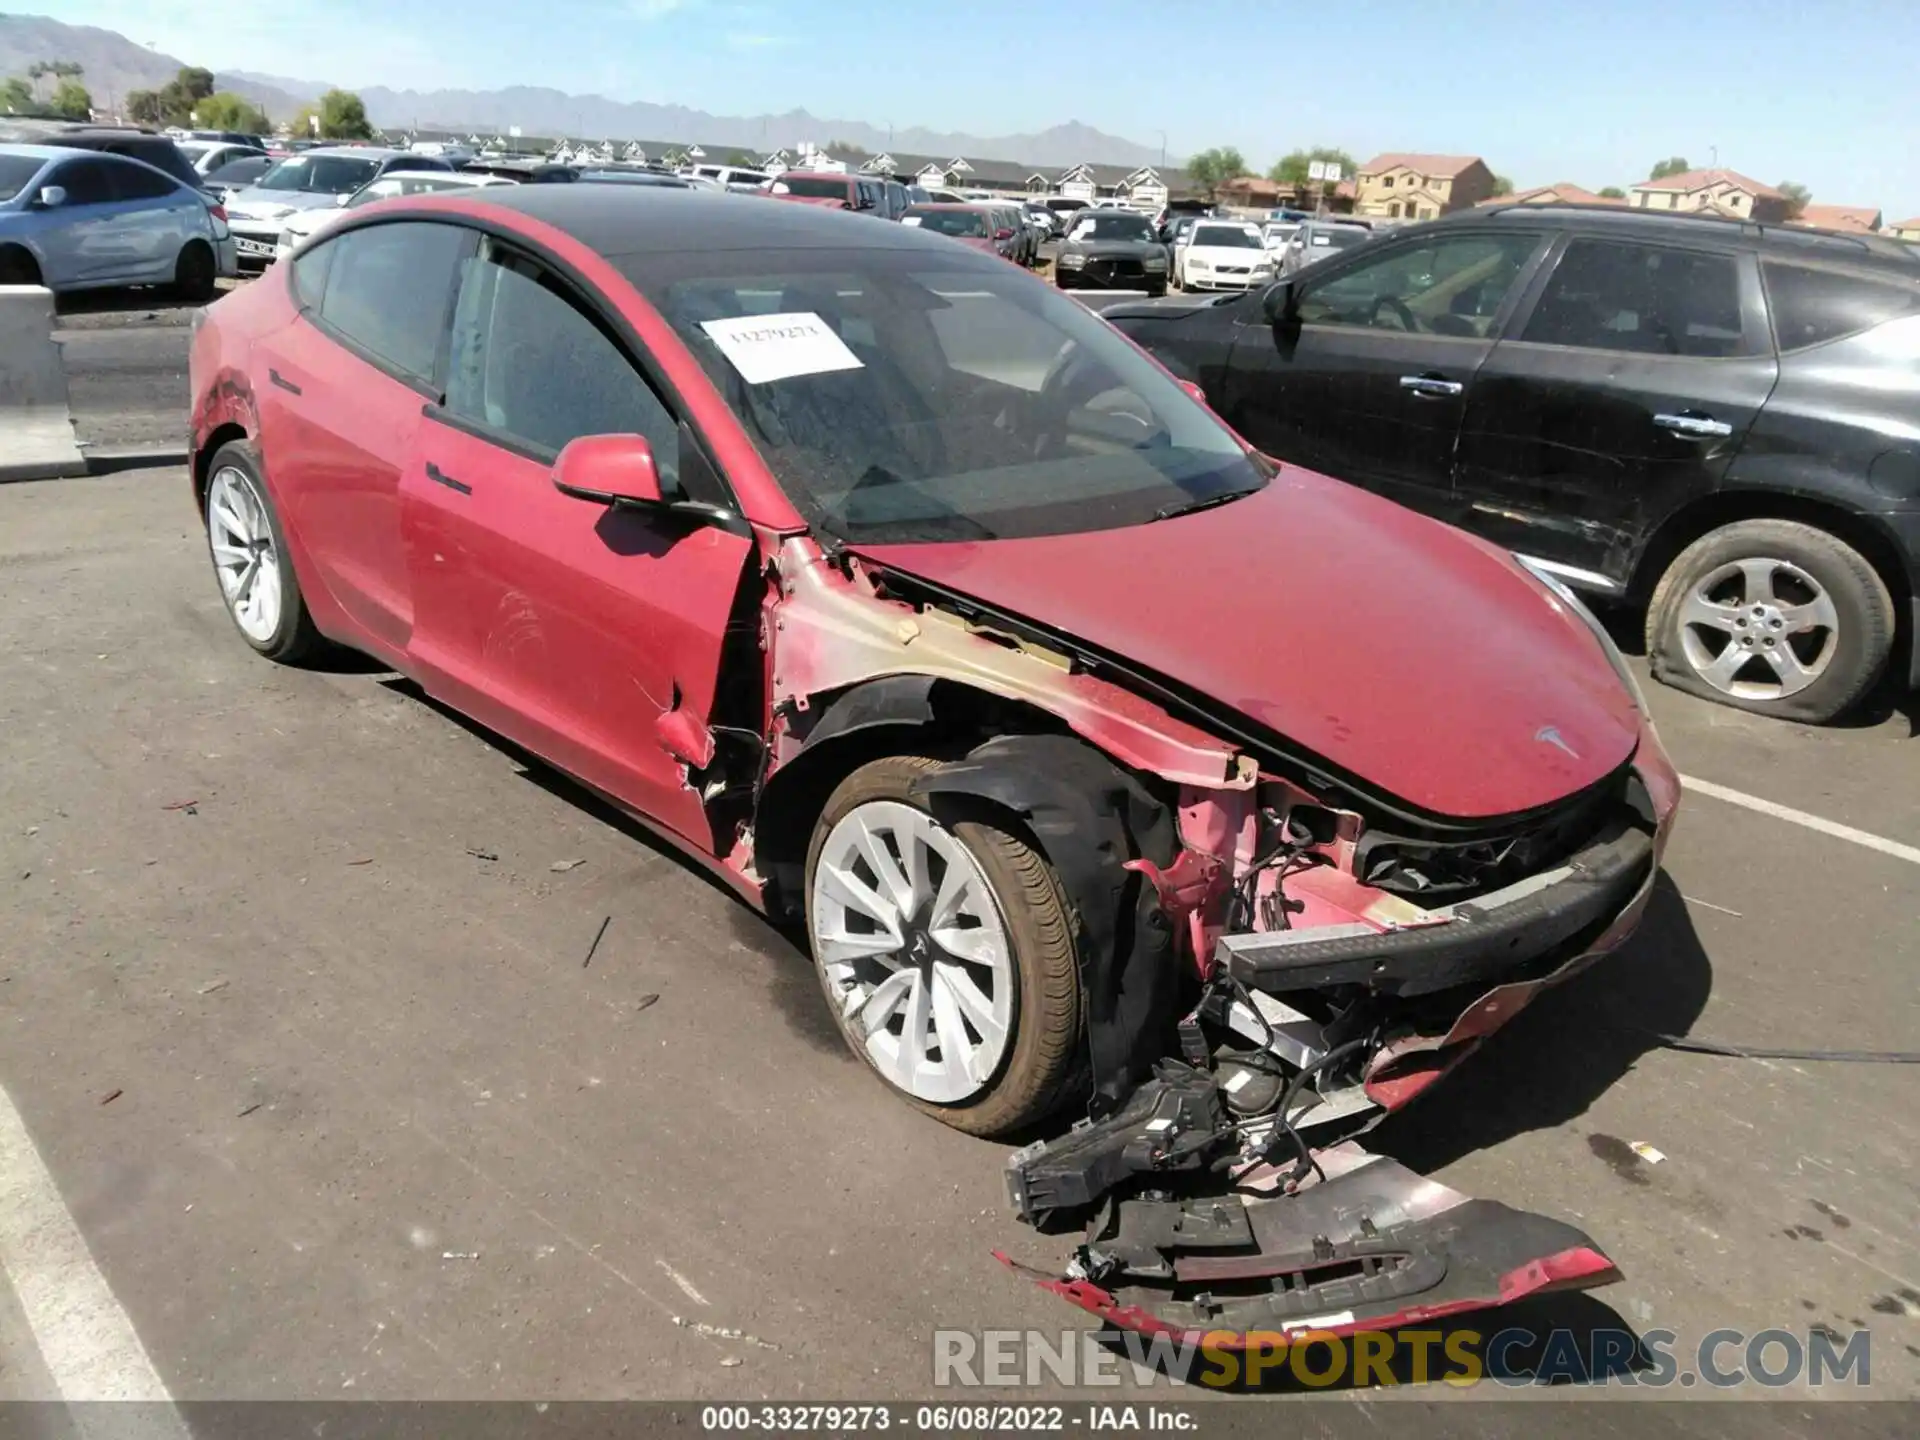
(1550, 735)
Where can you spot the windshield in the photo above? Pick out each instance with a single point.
(815, 187)
(1227, 237)
(949, 222)
(1111, 225)
(901, 395)
(15, 172)
(241, 170)
(405, 183)
(320, 174)
(1339, 239)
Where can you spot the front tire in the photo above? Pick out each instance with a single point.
(18, 267)
(250, 559)
(1773, 617)
(946, 953)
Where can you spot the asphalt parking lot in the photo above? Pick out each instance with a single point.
(296, 1013)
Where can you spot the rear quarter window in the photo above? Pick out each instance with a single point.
(389, 289)
(1812, 306)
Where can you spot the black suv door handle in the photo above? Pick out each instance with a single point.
(440, 477)
(1431, 385)
(1695, 426)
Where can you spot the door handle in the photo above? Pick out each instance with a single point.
(440, 477)
(1699, 427)
(1431, 385)
(285, 384)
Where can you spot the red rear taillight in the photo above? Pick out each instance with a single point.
(219, 212)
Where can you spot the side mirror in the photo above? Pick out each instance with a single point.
(51, 197)
(609, 469)
(1280, 302)
(1003, 233)
(341, 200)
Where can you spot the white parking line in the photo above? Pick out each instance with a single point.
(1909, 853)
(85, 1338)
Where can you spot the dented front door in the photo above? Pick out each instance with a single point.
(570, 627)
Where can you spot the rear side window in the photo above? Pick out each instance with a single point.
(1811, 307)
(527, 363)
(310, 269)
(1645, 299)
(389, 288)
(137, 182)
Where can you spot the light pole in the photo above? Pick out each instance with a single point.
(1163, 148)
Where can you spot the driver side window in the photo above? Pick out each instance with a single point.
(1452, 285)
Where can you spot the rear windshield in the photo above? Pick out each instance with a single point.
(814, 187)
(1110, 225)
(929, 392)
(320, 174)
(15, 172)
(236, 170)
(949, 222)
(1230, 237)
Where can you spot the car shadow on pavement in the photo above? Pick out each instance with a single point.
(1566, 1049)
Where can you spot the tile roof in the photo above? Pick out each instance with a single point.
(1564, 191)
(1442, 166)
(1840, 217)
(1702, 179)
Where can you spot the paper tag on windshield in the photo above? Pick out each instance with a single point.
(912, 222)
(779, 347)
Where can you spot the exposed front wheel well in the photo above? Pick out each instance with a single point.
(937, 718)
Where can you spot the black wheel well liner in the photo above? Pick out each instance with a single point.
(1725, 507)
(203, 458)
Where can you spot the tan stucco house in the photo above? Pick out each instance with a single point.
(1420, 187)
(1719, 192)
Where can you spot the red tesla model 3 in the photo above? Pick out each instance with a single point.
(1103, 760)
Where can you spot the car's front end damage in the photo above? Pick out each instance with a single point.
(1273, 955)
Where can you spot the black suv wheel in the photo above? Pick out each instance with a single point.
(1771, 616)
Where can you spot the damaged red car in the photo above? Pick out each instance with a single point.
(1115, 772)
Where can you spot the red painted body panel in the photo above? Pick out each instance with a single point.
(575, 629)
(1421, 660)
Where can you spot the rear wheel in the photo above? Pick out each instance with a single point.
(194, 272)
(250, 559)
(946, 953)
(1771, 616)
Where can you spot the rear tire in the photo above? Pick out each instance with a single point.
(1753, 587)
(195, 272)
(18, 267)
(240, 520)
(1038, 1066)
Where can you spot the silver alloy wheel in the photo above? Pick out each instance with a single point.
(244, 555)
(1758, 629)
(915, 953)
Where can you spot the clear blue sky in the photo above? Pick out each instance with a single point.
(1821, 92)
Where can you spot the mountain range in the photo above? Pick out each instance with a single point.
(113, 65)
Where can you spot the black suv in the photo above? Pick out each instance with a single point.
(1714, 420)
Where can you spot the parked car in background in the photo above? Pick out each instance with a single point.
(1041, 218)
(1276, 235)
(1714, 424)
(1224, 255)
(224, 137)
(1113, 250)
(147, 146)
(972, 225)
(849, 192)
(236, 175)
(1031, 637)
(527, 172)
(1318, 240)
(84, 221)
(733, 177)
(313, 179)
(303, 225)
(207, 156)
(655, 179)
(1064, 207)
(1012, 231)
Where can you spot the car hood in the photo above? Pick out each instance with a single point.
(253, 203)
(1423, 662)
